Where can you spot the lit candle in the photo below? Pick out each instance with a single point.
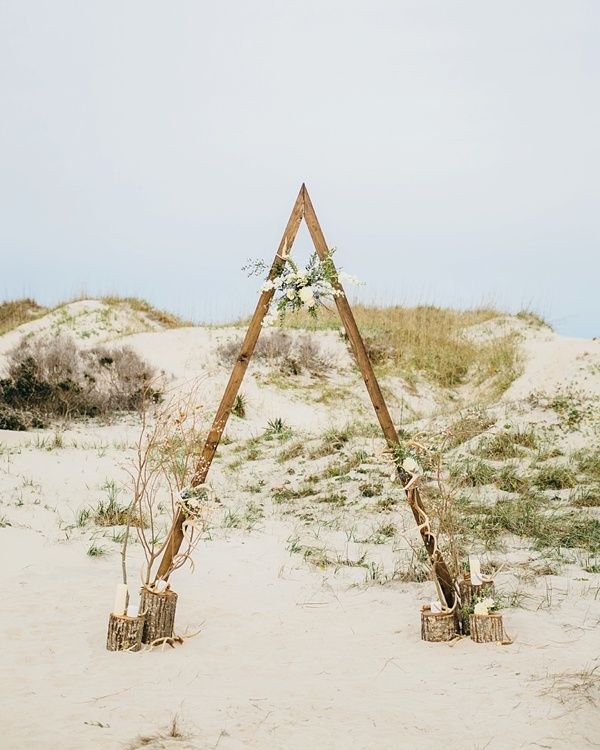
(160, 586)
(133, 609)
(121, 597)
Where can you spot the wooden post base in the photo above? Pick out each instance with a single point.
(468, 594)
(486, 628)
(437, 626)
(124, 633)
(159, 608)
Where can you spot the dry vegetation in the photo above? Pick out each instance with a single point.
(16, 312)
(428, 341)
(290, 355)
(53, 378)
(162, 317)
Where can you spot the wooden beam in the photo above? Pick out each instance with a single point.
(235, 380)
(440, 570)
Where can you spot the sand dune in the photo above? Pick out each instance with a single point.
(287, 654)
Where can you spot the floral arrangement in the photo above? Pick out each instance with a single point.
(296, 288)
(485, 606)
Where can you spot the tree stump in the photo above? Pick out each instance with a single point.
(486, 628)
(437, 626)
(159, 608)
(468, 594)
(124, 633)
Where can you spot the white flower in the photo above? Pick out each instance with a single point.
(411, 465)
(277, 282)
(480, 609)
(270, 318)
(346, 278)
(267, 286)
(307, 296)
(489, 602)
(291, 293)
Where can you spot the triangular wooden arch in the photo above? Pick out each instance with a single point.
(303, 209)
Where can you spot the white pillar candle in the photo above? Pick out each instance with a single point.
(475, 570)
(133, 609)
(160, 586)
(120, 600)
(435, 606)
(476, 579)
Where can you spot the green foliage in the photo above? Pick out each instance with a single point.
(527, 516)
(370, 489)
(386, 504)
(510, 480)
(507, 444)
(473, 472)
(571, 405)
(586, 497)
(110, 512)
(533, 319)
(286, 494)
(239, 406)
(427, 340)
(334, 498)
(95, 551)
(294, 450)
(277, 426)
(553, 477)
(588, 462)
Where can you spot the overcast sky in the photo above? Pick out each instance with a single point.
(451, 149)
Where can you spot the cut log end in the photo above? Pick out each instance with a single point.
(124, 633)
(437, 626)
(159, 609)
(468, 594)
(486, 628)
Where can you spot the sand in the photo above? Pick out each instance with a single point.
(281, 654)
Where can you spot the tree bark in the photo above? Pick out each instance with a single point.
(437, 626)
(124, 633)
(469, 594)
(159, 609)
(486, 628)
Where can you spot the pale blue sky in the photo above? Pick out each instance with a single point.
(451, 149)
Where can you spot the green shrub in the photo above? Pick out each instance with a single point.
(18, 419)
(53, 378)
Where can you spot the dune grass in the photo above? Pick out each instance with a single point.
(14, 313)
(428, 340)
(164, 318)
